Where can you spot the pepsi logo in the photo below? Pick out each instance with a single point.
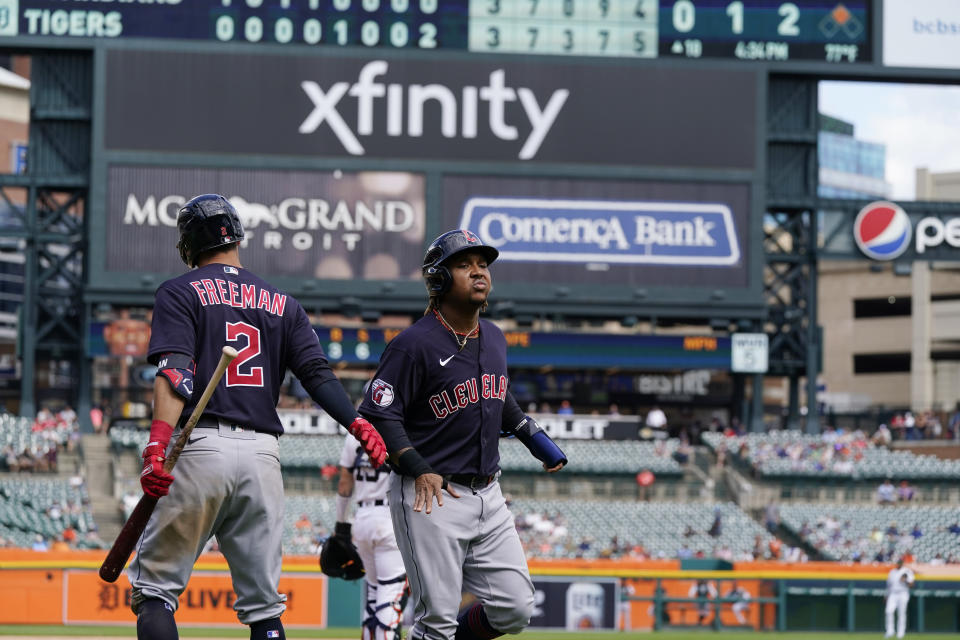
(882, 230)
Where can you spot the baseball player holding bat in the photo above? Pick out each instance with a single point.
(228, 481)
(440, 400)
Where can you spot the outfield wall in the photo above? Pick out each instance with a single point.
(64, 588)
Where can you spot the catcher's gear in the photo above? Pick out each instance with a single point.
(436, 276)
(339, 557)
(207, 222)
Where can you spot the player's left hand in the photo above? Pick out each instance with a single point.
(371, 441)
(429, 486)
(553, 469)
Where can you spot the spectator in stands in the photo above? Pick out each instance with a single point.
(689, 532)
(775, 547)
(39, 543)
(716, 529)
(916, 532)
(613, 410)
(953, 427)
(771, 517)
(684, 552)
(303, 522)
(954, 528)
(909, 426)
(565, 408)
(886, 493)
(937, 560)
(656, 418)
(905, 492)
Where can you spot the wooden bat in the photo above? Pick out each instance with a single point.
(123, 546)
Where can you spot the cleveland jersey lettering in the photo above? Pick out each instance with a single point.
(445, 403)
(458, 405)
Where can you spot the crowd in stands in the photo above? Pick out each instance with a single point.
(33, 446)
(844, 540)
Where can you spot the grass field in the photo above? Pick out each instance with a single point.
(48, 631)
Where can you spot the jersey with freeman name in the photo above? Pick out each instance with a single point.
(204, 309)
(449, 401)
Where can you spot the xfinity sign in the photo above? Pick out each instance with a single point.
(404, 113)
(598, 231)
(356, 103)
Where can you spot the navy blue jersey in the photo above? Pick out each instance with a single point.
(449, 401)
(201, 311)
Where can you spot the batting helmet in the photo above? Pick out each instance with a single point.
(339, 559)
(207, 222)
(436, 276)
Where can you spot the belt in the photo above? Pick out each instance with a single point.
(371, 503)
(470, 480)
(212, 422)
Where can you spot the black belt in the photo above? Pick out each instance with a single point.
(212, 422)
(470, 480)
(371, 503)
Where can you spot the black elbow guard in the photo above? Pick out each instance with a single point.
(178, 369)
(539, 443)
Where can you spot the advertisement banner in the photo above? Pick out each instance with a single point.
(575, 603)
(921, 34)
(329, 225)
(603, 232)
(208, 599)
(431, 109)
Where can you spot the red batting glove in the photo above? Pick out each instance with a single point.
(372, 442)
(154, 480)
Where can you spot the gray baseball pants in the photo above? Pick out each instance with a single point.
(469, 544)
(228, 484)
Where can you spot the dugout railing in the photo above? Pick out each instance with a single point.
(791, 604)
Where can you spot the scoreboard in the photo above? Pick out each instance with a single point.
(835, 31)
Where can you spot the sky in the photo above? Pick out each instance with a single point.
(919, 124)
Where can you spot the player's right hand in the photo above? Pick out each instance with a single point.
(154, 480)
(429, 486)
(371, 441)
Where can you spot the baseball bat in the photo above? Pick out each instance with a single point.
(122, 547)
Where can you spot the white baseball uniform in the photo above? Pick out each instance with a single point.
(372, 530)
(741, 603)
(898, 595)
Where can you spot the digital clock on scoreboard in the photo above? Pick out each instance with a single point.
(775, 30)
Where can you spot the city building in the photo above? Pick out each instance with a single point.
(890, 335)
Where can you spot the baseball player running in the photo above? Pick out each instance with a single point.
(440, 399)
(372, 531)
(228, 481)
(899, 583)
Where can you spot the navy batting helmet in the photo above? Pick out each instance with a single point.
(436, 276)
(207, 222)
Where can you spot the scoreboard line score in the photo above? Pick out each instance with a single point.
(835, 31)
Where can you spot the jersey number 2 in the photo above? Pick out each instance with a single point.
(254, 377)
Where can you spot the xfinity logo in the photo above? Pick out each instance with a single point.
(459, 113)
(596, 231)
